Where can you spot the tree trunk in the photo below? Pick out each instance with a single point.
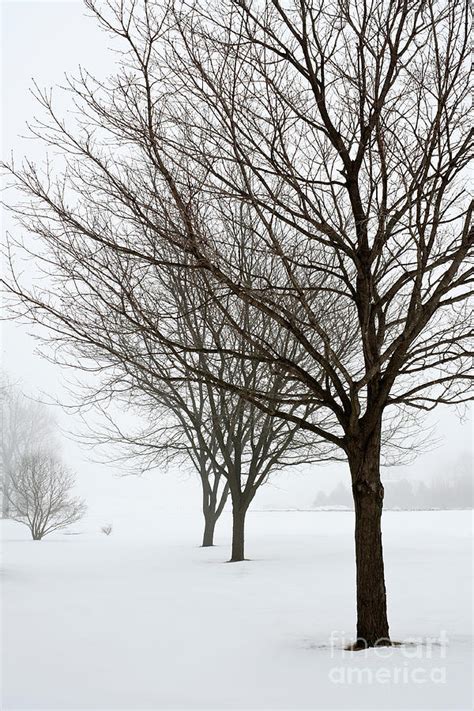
(209, 527)
(6, 495)
(238, 531)
(368, 492)
(212, 502)
(5, 506)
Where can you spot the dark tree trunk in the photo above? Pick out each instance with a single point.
(238, 532)
(209, 527)
(368, 492)
(212, 505)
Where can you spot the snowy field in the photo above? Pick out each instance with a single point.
(145, 619)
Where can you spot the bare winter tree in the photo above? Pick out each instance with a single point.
(339, 132)
(25, 424)
(232, 443)
(173, 431)
(40, 495)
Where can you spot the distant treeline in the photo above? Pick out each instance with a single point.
(455, 493)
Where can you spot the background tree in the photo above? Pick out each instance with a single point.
(342, 129)
(40, 495)
(172, 433)
(453, 493)
(232, 443)
(26, 424)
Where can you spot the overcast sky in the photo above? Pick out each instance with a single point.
(43, 40)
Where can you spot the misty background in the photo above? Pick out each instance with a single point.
(41, 41)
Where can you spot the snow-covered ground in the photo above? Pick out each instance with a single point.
(145, 619)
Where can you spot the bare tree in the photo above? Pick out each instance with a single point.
(25, 424)
(233, 444)
(341, 128)
(173, 433)
(40, 495)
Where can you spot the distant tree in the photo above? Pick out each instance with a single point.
(232, 444)
(465, 491)
(172, 430)
(321, 499)
(455, 492)
(26, 424)
(400, 494)
(451, 491)
(40, 494)
(341, 496)
(422, 496)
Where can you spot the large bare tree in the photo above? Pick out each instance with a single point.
(339, 131)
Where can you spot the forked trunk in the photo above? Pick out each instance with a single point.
(368, 492)
(213, 504)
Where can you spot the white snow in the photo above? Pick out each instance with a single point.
(145, 619)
